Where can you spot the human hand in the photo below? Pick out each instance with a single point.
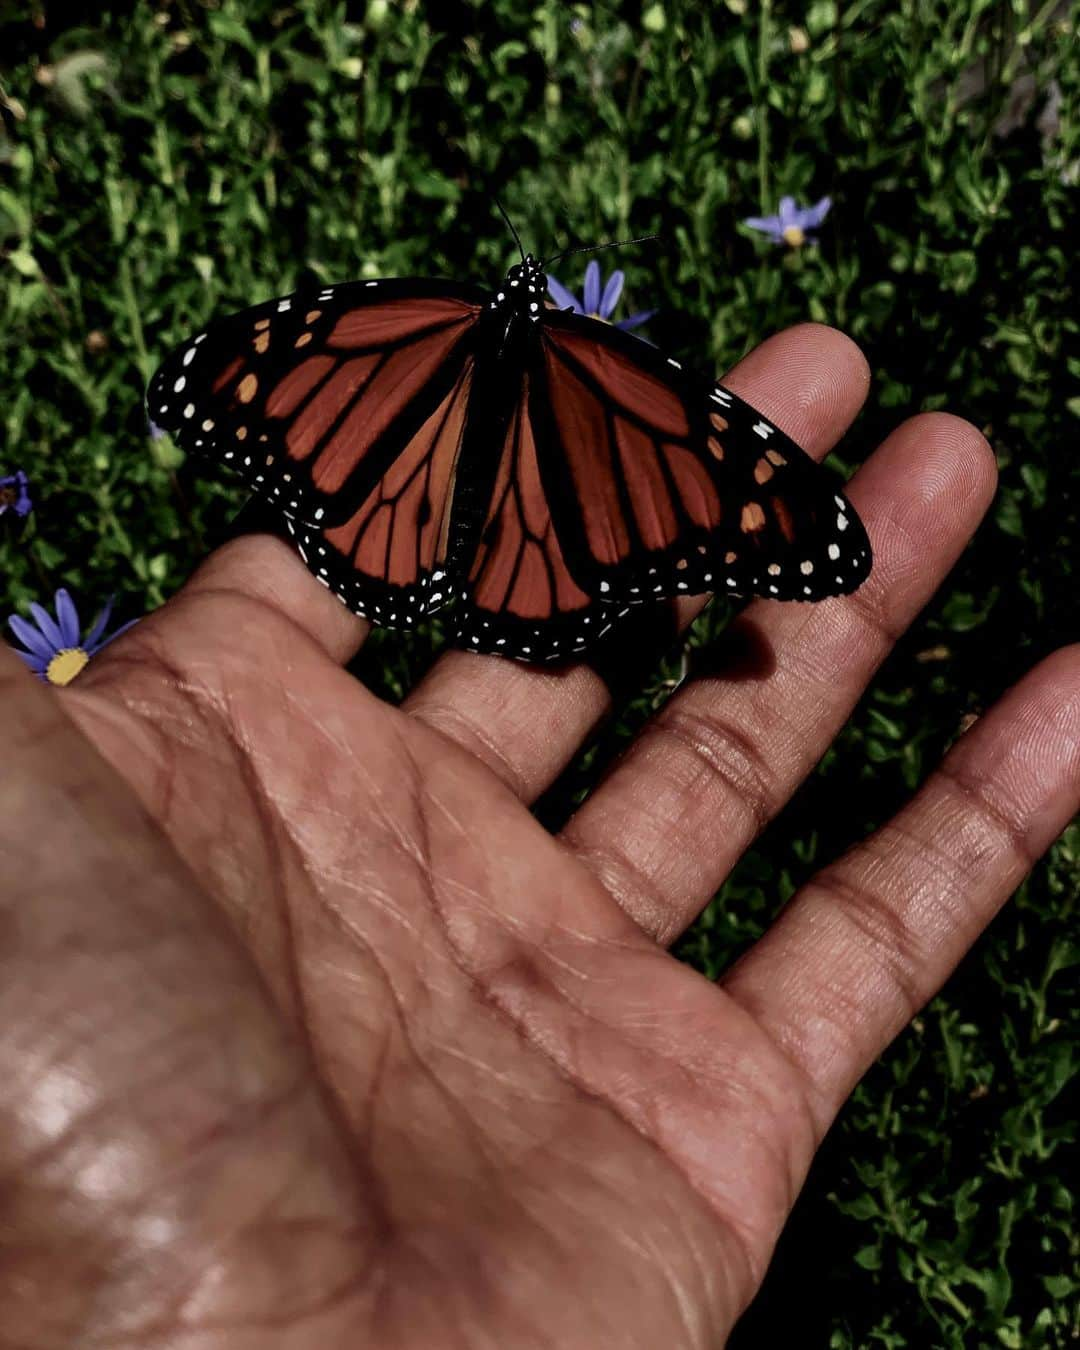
(311, 1036)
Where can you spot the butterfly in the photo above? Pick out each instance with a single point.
(430, 443)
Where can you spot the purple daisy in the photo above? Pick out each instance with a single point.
(15, 494)
(793, 224)
(597, 303)
(56, 651)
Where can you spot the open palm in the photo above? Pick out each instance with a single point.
(318, 1038)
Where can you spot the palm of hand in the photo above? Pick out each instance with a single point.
(523, 1091)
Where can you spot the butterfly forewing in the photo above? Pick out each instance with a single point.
(387, 560)
(312, 398)
(671, 485)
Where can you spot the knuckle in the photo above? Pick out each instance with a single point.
(884, 937)
(728, 755)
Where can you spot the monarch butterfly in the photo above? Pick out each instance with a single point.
(429, 442)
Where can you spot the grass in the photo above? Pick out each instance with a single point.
(160, 162)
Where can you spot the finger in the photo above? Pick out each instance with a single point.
(874, 936)
(266, 570)
(724, 754)
(526, 723)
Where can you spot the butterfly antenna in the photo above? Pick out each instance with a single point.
(517, 237)
(592, 248)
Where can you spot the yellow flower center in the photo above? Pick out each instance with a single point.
(794, 235)
(65, 665)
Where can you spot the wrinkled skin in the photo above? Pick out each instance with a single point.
(311, 1036)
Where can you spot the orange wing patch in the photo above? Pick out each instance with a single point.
(583, 430)
(380, 325)
(629, 458)
(337, 394)
(293, 388)
(399, 532)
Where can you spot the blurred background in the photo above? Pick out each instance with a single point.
(163, 161)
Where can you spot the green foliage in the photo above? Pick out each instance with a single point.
(163, 161)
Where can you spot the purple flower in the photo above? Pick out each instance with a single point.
(56, 651)
(793, 224)
(15, 494)
(598, 304)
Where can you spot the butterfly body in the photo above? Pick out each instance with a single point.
(430, 443)
(505, 342)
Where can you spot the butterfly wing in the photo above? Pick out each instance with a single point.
(345, 407)
(620, 478)
(670, 484)
(520, 598)
(624, 479)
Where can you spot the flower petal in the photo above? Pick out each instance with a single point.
(23, 503)
(636, 320)
(812, 216)
(612, 291)
(31, 639)
(35, 663)
(563, 298)
(49, 630)
(99, 626)
(68, 616)
(111, 638)
(769, 225)
(789, 213)
(592, 288)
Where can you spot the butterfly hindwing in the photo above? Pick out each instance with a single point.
(519, 598)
